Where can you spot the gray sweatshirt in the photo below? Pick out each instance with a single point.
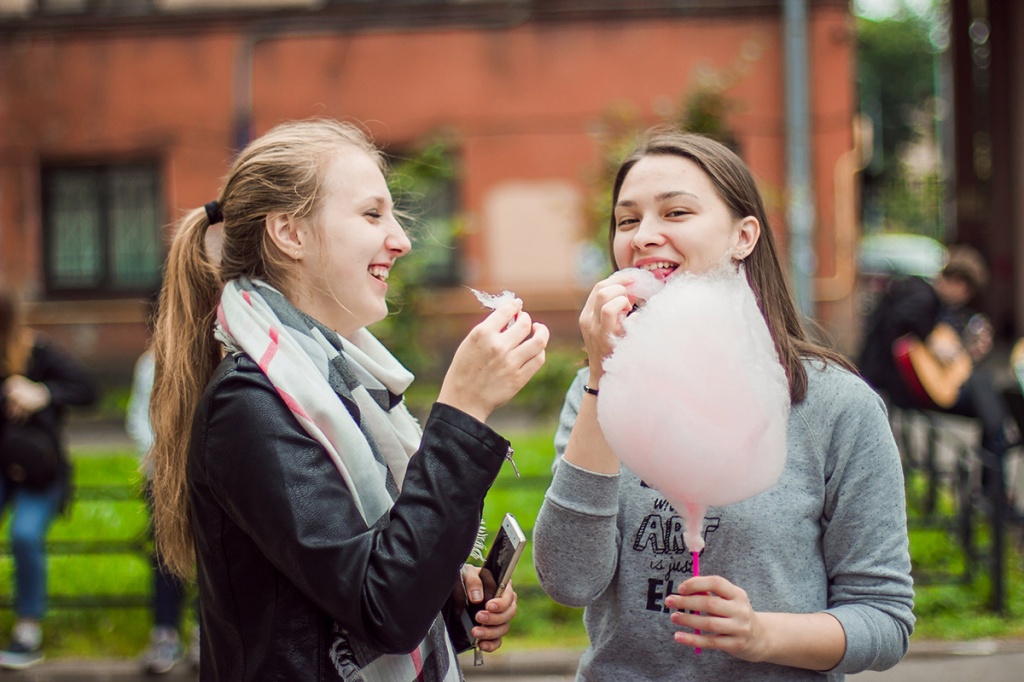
(830, 536)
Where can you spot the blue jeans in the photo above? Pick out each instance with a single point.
(168, 590)
(32, 511)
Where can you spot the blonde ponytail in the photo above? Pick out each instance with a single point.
(186, 355)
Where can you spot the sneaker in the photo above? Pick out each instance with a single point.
(25, 648)
(164, 651)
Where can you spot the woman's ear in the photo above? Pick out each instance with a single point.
(746, 239)
(287, 233)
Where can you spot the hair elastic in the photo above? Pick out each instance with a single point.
(213, 212)
(588, 389)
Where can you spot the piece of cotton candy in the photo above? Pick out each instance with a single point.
(493, 301)
(694, 400)
(644, 284)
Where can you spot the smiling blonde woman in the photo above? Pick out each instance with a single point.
(328, 530)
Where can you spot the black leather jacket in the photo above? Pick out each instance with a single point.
(283, 552)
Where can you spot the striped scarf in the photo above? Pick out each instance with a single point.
(347, 394)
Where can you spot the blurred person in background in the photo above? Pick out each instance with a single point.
(922, 343)
(37, 382)
(328, 530)
(165, 648)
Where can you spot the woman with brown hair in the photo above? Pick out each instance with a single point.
(328, 529)
(37, 382)
(811, 575)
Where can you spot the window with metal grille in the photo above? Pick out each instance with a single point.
(102, 231)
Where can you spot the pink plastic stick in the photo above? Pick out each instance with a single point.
(696, 573)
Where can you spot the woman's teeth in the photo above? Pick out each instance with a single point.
(380, 272)
(660, 265)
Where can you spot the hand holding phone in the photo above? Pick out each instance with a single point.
(497, 569)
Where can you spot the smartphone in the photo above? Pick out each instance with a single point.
(497, 570)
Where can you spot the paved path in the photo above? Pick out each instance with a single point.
(988, 660)
(92, 436)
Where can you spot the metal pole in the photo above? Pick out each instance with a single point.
(800, 193)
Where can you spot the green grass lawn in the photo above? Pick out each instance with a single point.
(945, 611)
(95, 632)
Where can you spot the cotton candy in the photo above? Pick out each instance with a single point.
(694, 400)
(493, 301)
(644, 284)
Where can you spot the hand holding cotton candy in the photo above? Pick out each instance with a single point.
(495, 301)
(693, 399)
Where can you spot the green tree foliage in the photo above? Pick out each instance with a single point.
(423, 185)
(702, 109)
(912, 205)
(896, 62)
(705, 109)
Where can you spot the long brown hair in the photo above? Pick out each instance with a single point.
(15, 337)
(736, 187)
(281, 172)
